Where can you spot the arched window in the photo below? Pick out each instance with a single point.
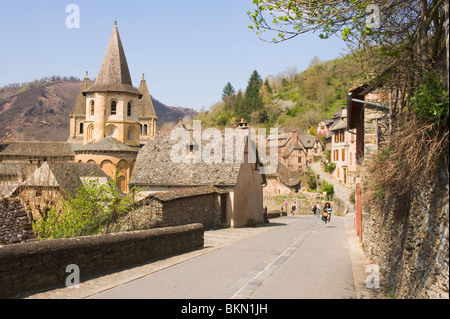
(129, 109)
(92, 107)
(81, 128)
(113, 108)
(144, 132)
(129, 134)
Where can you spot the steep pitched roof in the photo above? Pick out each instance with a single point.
(146, 108)
(79, 108)
(307, 140)
(154, 166)
(68, 176)
(107, 144)
(114, 75)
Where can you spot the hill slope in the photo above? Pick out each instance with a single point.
(42, 113)
(291, 99)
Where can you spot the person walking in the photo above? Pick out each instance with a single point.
(326, 215)
(314, 210)
(318, 210)
(294, 208)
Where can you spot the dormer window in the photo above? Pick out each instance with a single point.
(114, 108)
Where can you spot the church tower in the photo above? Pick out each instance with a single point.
(112, 106)
(111, 118)
(112, 103)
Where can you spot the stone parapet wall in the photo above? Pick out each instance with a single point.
(32, 267)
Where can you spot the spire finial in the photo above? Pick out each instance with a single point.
(143, 76)
(86, 73)
(115, 22)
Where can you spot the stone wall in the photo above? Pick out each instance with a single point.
(202, 209)
(409, 240)
(15, 226)
(32, 267)
(151, 213)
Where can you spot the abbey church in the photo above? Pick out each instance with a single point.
(110, 121)
(112, 118)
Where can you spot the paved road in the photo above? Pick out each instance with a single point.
(298, 258)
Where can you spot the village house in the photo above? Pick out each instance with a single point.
(241, 180)
(44, 188)
(368, 114)
(343, 150)
(323, 128)
(297, 151)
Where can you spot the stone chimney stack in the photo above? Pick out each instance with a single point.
(293, 136)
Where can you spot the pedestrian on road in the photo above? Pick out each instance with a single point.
(294, 208)
(314, 210)
(326, 215)
(318, 210)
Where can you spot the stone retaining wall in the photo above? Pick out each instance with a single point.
(410, 240)
(15, 226)
(35, 266)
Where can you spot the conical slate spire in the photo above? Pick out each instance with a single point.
(114, 75)
(146, 108)
(79, 107)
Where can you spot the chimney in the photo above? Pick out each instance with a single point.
(242, 124)
(294, 136)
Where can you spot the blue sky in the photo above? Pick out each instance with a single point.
(188, 50)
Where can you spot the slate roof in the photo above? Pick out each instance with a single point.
(35, 149)
(108, 144)
(287, 177)
(154, 165)
(79, 108)
(339, 125)
(114, 74)
(185, 192)
(68, 176)
(146, 108)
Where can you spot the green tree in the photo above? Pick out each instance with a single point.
(228, 91)
(253, 100)
(311, 131)
(95, 209)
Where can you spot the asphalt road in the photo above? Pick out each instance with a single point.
(296, 257)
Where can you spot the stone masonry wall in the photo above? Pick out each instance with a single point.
(409, 240)
(200, 209)
(36, 266)
(15, 226)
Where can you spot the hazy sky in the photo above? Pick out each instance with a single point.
(188, 50)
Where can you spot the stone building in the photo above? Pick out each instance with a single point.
(343, 150)
(44, 188)
(180, 207)
(156, 171)
(296, 151)
(112, 118)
